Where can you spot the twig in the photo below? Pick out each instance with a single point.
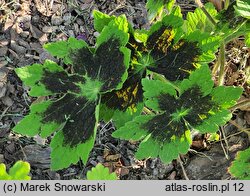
(240, 105)
(4, 112)
(239, 31)
(47, 8)
(215, 68)
(226, 4)
(51, 4)
(222, 146)
(201, 154)
(247, 131)
(210, 18)
(103, 132)
(25, 156)
(117, 8)
(182, 168)
(147, 111)
(162, 78)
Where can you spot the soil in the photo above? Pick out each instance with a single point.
(26, 25)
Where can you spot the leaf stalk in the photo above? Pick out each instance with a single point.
(222, 63)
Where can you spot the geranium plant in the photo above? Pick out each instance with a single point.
(162, 71)
(75, 114)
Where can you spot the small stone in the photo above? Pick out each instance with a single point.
(96, 34)
(76, 28)
(85, 6)
(56, 20)
(3, 50)
(46, 55)
(49, 29)
(100, 159)
(35, 19)
(56, 8)
(71, 33)
(155, 172)
(82, 36)
(39, 140)
(79, 21)
(172, 176)
(25, 18)
(60, 36)
(62, 27)
(23, 61)
(13, 55)
(25, 34)
(153, 163)
(67, 18)
(92, 162)
(8, 24)
(26, 26)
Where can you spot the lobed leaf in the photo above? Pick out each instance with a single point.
(74, 115)
(47, 79)
(156, 7)
(229, 20)
(33, 124)
(123, 104)
(19, 171)
(132, 130)
(230, 95)
(62, 49)
(200, 77)
(108, 63)
(197, 106)
(153, 89)
(197, 20)
(172, 53)
(62, 156)
(243, 8)
(146, 55)
(101, 20)
(3, 174)
(99, 172)
(240, 167)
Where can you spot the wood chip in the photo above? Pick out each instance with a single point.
(3, 51)
(3, 91)
(18, 49)
(7, 101)
(35, 32)
(113, 157)
(1, 158)
(36, 155)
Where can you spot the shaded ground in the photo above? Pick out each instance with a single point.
(26, 25)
